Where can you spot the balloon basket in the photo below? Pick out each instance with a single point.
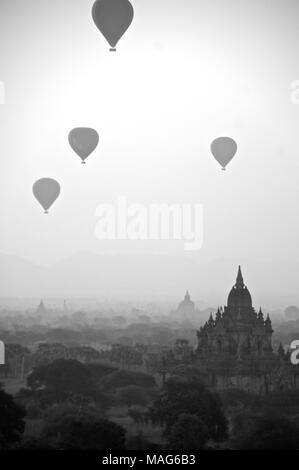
(223, 169)
(46, 212)
(83, 163)
(112, 49)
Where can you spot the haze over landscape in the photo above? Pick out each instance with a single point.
(130, 278)
(157, 105)
(149, 255)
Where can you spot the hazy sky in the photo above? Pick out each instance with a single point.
(185, 73)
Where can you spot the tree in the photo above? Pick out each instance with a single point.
(162, 363)
(137, 413)
(273, 433)
(121, 378)
(60, 413)
(139, 442)
(235, 397)
(243, 422)
(63, 377)
(188, 433)
(183, 351)
(98, 435)
(5, 369)
(100, 370)
(132, 395)
(69, 427)
(12, 422)
(190, 396)
(34, 443)
(34, 411)
(161, 335)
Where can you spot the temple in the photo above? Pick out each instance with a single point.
(235, 348)
(41, 309)
(186, 309)
(237, 331)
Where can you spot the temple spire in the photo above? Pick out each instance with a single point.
(41, 308)
(260, 315)
(187, 295)
(239, 281)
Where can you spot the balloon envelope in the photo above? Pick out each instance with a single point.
(83, 141)
(112, 18)
(223, 150)
(46, 191)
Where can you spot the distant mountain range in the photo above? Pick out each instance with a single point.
(149, 277)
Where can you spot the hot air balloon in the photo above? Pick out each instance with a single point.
(83, 141)
(112, 18)
(46, 191)
(223, 150)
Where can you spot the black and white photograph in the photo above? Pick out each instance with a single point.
(149, 242)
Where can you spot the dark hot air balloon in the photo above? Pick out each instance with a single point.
(223, 150)
(46, 191)
(83, 141)
(112, 18)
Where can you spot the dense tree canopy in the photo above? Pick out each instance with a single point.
(121, 378)
(273, 433)
(191, 397)
(63, 377)
(12, 422)
(132, 395)
(70, 427)
(188, 433)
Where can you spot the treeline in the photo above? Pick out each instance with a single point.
(70, 405)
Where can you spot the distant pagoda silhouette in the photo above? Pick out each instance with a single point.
(41, 309)
(186, 309)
